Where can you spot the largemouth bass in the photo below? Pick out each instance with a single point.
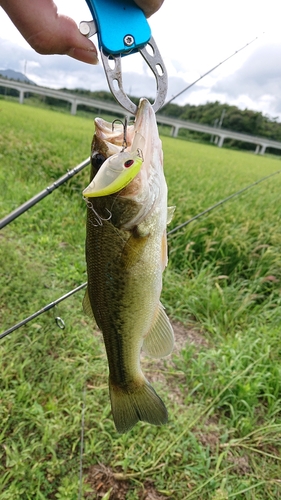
(126, 253)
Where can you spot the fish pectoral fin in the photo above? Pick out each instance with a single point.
(164, 251)
(140, 402)
(87, 308)
(133, 250)
(170, 214)
(159, 342)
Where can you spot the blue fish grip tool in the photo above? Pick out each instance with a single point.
(122, 29)
(121, 26)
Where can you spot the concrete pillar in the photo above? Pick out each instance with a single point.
(21, 96)
(257, 150)
(175, 131)
(263, 148)
(73, 107)
(221, 139)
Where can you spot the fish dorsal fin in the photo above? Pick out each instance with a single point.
(170, 214)
(159, 341)
(87, 308)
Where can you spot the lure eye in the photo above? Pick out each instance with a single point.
(128, 163)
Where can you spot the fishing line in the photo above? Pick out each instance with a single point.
(82, 444)
(38, 197)
(209, 71)
(80, 287)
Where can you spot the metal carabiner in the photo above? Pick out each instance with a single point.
(122, 29)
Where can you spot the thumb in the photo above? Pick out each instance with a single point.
(49, 32)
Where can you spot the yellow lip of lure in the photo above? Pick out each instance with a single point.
(117, 171)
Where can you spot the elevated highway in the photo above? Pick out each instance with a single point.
(262, 143)
(25, 88)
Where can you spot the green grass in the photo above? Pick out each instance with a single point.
(64, 107)
(223, 391)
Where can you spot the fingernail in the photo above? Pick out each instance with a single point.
(85, 55)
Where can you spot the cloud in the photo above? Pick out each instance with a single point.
(257, 82)
(12, 55)
(255, 85)
(58, 71)
(54, 71)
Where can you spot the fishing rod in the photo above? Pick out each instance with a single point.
(221, 202)
(38, 197)
(80, 287)
(210, 71)
(43, 310)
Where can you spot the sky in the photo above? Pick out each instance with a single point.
(192, 38)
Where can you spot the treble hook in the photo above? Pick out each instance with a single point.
(125, 125)
(99, 220)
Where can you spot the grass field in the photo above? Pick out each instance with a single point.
(222, 289)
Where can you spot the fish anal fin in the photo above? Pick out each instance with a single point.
(139, 404)
(87, 308)
(159, 342)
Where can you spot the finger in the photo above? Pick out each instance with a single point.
(149, 7)
(47, 31)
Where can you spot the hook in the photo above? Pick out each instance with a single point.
(125, 125)
(98, 218)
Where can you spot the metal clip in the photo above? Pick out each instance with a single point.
(60, 323)
(122, 29)
(114, 77)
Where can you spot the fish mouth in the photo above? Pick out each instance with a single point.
(145, 121)
(128, 153)
(113, 136)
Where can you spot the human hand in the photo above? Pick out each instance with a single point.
(149, 7)
(51, 33)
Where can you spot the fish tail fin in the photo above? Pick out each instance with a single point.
(140, 403)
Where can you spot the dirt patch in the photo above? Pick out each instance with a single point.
(150, 493)
(103, 480)
(241, 464)
(209, 436)
(187, 335)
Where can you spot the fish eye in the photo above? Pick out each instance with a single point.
(128, 163)
(97, 159)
